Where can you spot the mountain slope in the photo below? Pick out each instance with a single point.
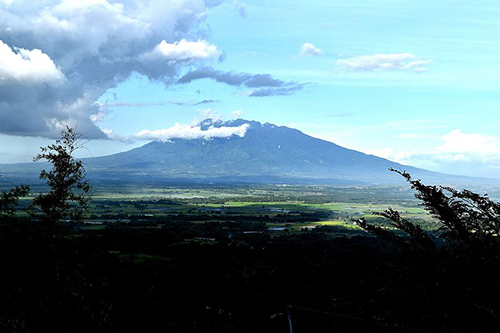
(265, 153)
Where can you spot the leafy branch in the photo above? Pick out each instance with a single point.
(467, 219)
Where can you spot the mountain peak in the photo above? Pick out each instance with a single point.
(211, 122)
(218, 123)
(244, 149)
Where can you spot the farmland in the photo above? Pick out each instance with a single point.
(290, 208)
(232, 259)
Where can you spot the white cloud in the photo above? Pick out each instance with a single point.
(475, 155)
(308, 50)
(74, 6)
(181, 131)
(90, 46)
(27, 67)
(380, 62)
(207, 114)
(58, 57)
(400, 156)
(456, 146)
(182, 51)
(457, 143)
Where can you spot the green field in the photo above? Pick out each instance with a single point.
(293, 207)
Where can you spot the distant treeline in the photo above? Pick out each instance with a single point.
(222, 217)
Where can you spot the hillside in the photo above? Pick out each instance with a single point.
(266, 153)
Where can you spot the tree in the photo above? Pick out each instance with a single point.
(69, 190)
(450, 276)
(468, 221)
(10, 199)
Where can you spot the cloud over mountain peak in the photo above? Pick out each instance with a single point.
(206, 129)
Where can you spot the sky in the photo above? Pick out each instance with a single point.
(417, 82)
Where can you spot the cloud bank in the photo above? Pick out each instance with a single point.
(190, 132)
(457, 153)
(381, 62)
(261, 84)
(57, 57)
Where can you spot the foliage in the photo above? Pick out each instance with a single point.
(9, 200)
(467, 220)
(417, 238)
(69, 190)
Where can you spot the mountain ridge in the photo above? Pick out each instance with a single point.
(266, 153)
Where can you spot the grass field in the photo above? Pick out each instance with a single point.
(294, 207)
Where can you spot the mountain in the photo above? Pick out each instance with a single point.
(266, 154)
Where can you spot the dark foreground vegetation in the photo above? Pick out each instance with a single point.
(232, 275)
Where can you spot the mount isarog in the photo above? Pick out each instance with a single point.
(266, 153)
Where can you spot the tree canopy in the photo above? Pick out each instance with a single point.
(69, 190)
(466, 219)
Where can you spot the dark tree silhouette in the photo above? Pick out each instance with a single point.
(10, 199)
(467, 219)
(69, 190)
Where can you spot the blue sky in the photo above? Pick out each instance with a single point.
(415, 82)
